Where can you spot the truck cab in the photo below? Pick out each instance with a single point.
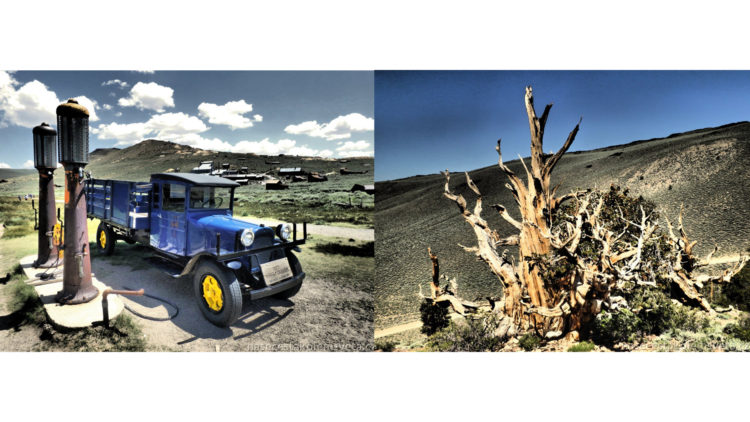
(187, 221)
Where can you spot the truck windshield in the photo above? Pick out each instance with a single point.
(209, 197)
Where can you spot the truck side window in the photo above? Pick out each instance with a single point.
(173, 197)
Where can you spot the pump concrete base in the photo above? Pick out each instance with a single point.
(69, 316)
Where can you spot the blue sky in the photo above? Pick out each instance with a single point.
(327, 114)
(430, 121)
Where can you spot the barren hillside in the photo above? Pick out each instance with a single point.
(706, 170)
(139, 161)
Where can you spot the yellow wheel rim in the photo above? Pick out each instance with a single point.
(212, 293)
(103, 239)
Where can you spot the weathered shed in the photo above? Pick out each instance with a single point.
(291, 171)
(204, 168)
(368, 189)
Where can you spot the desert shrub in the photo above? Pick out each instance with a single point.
(651, 312)
(584, 346)
(385, 345)
(610, 328)
(529, 342)
(655, 311)
(470, 335)
(434, 317)
(365, 249)
(736, 345)
(23, 302)
(740, 331)
(16, 273)
(736, 292)
(124, 335)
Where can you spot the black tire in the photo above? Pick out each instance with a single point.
(230, 307)
(296, 269)
(105, 239)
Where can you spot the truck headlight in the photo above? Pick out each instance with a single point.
(284, 231)
(247, 237)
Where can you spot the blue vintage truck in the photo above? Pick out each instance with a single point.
(186, 219)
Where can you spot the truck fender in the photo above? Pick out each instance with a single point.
(194, 261)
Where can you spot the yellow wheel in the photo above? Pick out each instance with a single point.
(105, 239)
(212, 293)
(218, 293)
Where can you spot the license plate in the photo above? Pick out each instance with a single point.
(275, 271)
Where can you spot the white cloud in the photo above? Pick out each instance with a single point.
(106, 106)
(162, 126)
(282, 146)
(258, 118)
(118, 114)
(265, 147)
(27, 106)
(29, 164)
(187, 130)
(354, 146)
(346, 154)
(33, 103)
(124, 134)
(197, 141)
(4, 166)
(355, 149)
(116, 82)
(149, 96)
(144, 71)
(338, 128)
(170, 124)
(230, 114)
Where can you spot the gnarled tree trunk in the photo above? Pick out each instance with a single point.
(556, 307)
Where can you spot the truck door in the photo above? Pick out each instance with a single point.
(169, 219)
(155, 220)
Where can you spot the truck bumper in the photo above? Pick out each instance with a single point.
(277, 288)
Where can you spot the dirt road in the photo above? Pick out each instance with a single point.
(321, 317)
(332, 231)
(397, 329)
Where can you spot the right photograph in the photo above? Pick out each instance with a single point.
(562, 211)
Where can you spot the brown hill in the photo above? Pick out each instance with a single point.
(137, 162)
(706, 170)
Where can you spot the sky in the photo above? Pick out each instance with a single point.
(327, 114)
(428, 121)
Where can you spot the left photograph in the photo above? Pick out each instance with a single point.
(186, 211)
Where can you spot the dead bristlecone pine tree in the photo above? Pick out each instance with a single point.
(563, 303)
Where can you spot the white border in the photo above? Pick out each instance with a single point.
(370, 35)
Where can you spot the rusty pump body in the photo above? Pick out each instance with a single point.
(73, 142)
(45, 161)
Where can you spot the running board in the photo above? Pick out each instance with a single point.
(172, 270)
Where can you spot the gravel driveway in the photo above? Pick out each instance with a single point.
(321, 317)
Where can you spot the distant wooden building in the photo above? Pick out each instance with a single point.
(204, 168)
(344, 171)
(291, 171)
(276, 185)
(316, 177)
(368, 189)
